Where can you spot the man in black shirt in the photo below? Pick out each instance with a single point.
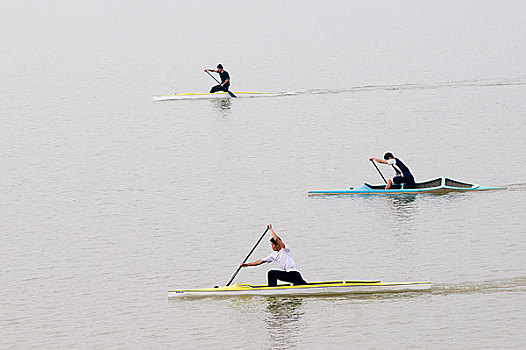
(225, 79)
(402, 173)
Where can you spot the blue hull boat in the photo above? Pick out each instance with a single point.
(439, 185)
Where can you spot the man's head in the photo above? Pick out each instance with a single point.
(388, 155)
(220, 66)
(274, 244)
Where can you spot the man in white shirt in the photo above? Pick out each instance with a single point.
(280, 256)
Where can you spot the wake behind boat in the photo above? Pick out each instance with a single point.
(221, 94)
(439, 185)
(313, 288)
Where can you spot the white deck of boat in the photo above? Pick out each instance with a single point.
(345, 288)
(207, 95)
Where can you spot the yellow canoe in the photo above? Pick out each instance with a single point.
(313, 288)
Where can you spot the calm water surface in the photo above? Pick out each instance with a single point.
(110, 199)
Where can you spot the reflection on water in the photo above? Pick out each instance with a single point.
(403, 207)
(365, 298)
(283, 321)
(223, 105)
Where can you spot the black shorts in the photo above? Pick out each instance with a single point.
(409, 181)
(293, 277)
(219, 88)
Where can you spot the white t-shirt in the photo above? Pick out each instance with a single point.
(283, 259)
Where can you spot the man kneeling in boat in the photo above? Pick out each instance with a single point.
(280, 256)
(402, 173)
(225, 79)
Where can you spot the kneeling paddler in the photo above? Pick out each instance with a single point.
(281, 256)
(402, 173)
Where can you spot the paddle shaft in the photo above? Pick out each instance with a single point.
(244, 261)
(231, 94)
(372, 161)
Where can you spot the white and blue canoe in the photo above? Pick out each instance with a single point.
(220, 95)
(439, 185)
(313, 288)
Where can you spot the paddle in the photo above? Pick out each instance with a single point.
(372, 161)
(231, 94)
(244, 261)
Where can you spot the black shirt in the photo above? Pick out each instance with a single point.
(400, 168)
(224, 76)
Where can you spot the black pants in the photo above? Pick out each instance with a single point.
(219, 88)
(292, 276)
(408, 181)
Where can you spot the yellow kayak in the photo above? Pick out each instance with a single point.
(221, 94)
(313, 288)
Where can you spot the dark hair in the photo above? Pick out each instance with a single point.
(388, 155)
(220, 66)
(274, 241)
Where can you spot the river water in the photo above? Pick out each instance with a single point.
(110, 199)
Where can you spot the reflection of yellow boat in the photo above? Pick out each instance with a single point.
(221, 94)
(313, 288)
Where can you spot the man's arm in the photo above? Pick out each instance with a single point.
(211, 70)
(225, 82)
(378, 160)
(253, 263)
(276, 238)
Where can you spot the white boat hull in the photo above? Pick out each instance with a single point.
(321, 288)
(207, 95)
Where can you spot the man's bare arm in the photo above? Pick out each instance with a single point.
(378, 160)
(253, 263)
(276, 238)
